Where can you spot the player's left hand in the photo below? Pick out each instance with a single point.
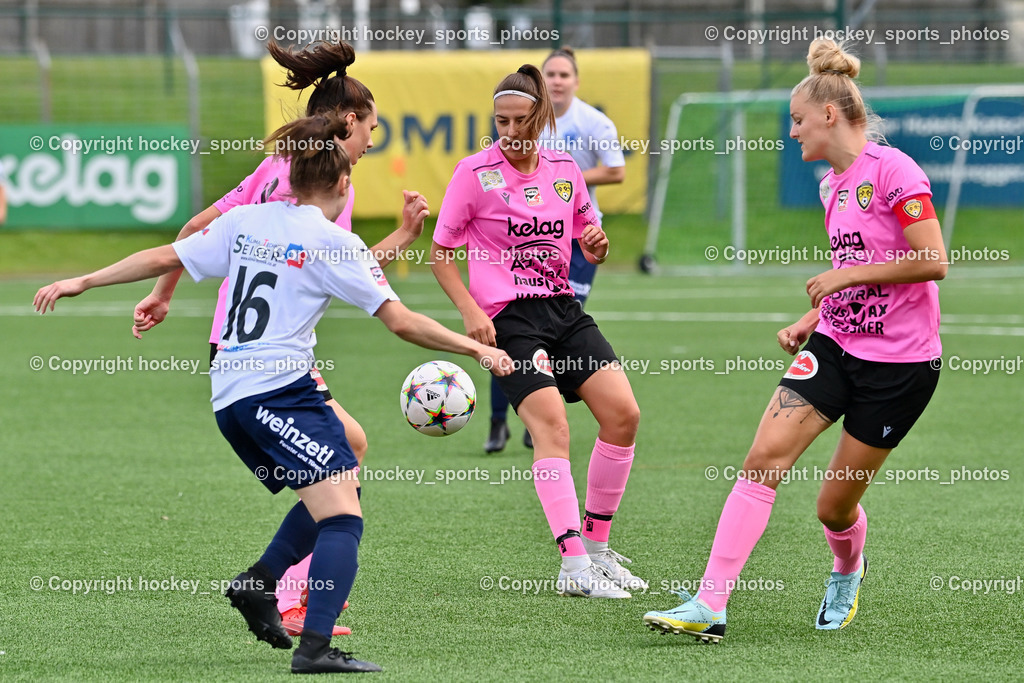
(829, 282)
(47, 296)
(414, 212)
(595, 241)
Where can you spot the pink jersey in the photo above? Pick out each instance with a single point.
(892, 323)
(518, 228)
(268, 183)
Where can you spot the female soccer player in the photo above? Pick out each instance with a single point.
(591, 140)
(518, 206)
(324, 65)
(871, 333)
(266, 404)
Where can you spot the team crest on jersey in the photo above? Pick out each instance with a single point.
(533, 197)
(490, 180)
(804, 366)
(563, 188)
(864, 193)
(295, 256)
(913, 208)
(844, 199)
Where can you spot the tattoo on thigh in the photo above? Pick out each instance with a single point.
(791, 403)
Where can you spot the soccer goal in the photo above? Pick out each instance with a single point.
(732, 190)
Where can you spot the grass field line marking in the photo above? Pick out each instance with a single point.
(990, 323)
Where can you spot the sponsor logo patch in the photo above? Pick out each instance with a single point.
(378, 275)
(844, 199)
(533, 197)
(490, 180)
(296, 255)
(804, 366)
(542, 362)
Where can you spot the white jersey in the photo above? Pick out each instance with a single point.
(588, 136)
(285, 263)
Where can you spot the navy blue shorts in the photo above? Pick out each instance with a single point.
(581, 273)
(288, 437)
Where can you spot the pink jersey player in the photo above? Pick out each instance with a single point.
(867, 206)
(871, 355)
(515, 208)
(517, 228)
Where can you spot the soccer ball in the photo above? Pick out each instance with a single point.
(438, 398)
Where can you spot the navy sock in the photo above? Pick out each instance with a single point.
(499, 403)
(332, 571)
(292, 542)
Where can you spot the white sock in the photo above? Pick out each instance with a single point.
(594, 547)
(574, 563)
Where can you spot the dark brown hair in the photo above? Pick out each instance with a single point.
(314, 66)
(317, 160)
(530, 80)
(566, 52)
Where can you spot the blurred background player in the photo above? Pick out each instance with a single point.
(259, 411)
(872, 334)
(518, 207)
(592, 141)
(324, 66)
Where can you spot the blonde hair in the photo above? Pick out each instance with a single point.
(830, 81)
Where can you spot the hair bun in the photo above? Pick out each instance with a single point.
(827, 56)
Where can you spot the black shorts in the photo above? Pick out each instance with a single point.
(881, 401)
(553, 343)
(321, 385)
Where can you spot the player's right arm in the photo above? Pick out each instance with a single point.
(430, 334)
(478, 325)
(141, 265)
(790, 338)
(153, 309)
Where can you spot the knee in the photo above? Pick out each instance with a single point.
(622, 425)
(834, 515)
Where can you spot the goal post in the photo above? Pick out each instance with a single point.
(965, 137)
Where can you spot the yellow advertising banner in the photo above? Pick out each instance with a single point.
(435, 107)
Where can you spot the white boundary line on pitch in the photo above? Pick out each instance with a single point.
(967, 324)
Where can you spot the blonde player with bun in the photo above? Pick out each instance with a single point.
(871, 336)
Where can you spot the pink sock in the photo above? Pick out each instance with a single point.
(848, 545)
(606, 481)
(289, 588)
(553, 481)
(743, 520)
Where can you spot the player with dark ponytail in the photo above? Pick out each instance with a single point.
(266, 403)
(325, 67)
(518, 206)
